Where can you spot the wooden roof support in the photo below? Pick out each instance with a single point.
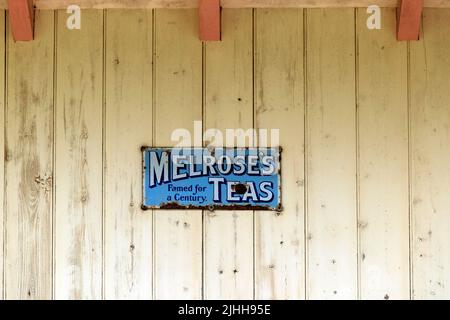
(21, 13)
(209, 15)
(178, 4)
(409, 15)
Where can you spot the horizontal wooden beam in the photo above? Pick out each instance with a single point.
(178, 4)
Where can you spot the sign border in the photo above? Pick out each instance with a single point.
(211, 208)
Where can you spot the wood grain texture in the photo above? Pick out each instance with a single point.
(2, 149)
(430, 159)
(59, 163)
(228, 239)
(331, 155)
(29, 164)
(383, 160)
(78, 252)
(279, 239)
(178, 102)
(228, 245)
(128, 126)
(147, 4)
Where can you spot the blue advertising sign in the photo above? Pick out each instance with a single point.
(220, 178)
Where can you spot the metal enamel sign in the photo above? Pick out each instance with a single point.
(204, 178)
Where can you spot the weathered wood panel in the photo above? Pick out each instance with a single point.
(92, 157)
(78, 143)
(228, 237)
(383, 160)
(331, 155)
(279, 84)
(178, 103)
(128, 125)
(29, 164)
(228, 255)
(2, 149)
(430, 158)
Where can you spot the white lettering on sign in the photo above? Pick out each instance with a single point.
(158, 168)
(182, 167)
(225, 165)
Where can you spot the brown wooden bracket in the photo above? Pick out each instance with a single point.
(409, 16)
(209, 15)
(21, 15)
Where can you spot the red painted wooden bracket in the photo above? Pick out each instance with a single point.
(209, 14)
(409, 16)
(21, 15)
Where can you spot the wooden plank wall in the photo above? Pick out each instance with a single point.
(128, 232)
(280, 104)
(383, 161)
(331, 155)
(29, 167)
(364, 125)
(228, 89)
(79, 158)
(177, 235)
(430, 163)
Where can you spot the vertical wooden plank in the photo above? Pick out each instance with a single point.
(178, 103)
(2, 147)
(383, 161)
(331, 155)
(128, 230)
(228, 241)
(430, 159)
(29, 164)
(78, 254)
(279, 93)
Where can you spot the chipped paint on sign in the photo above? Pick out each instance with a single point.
(203, 178)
